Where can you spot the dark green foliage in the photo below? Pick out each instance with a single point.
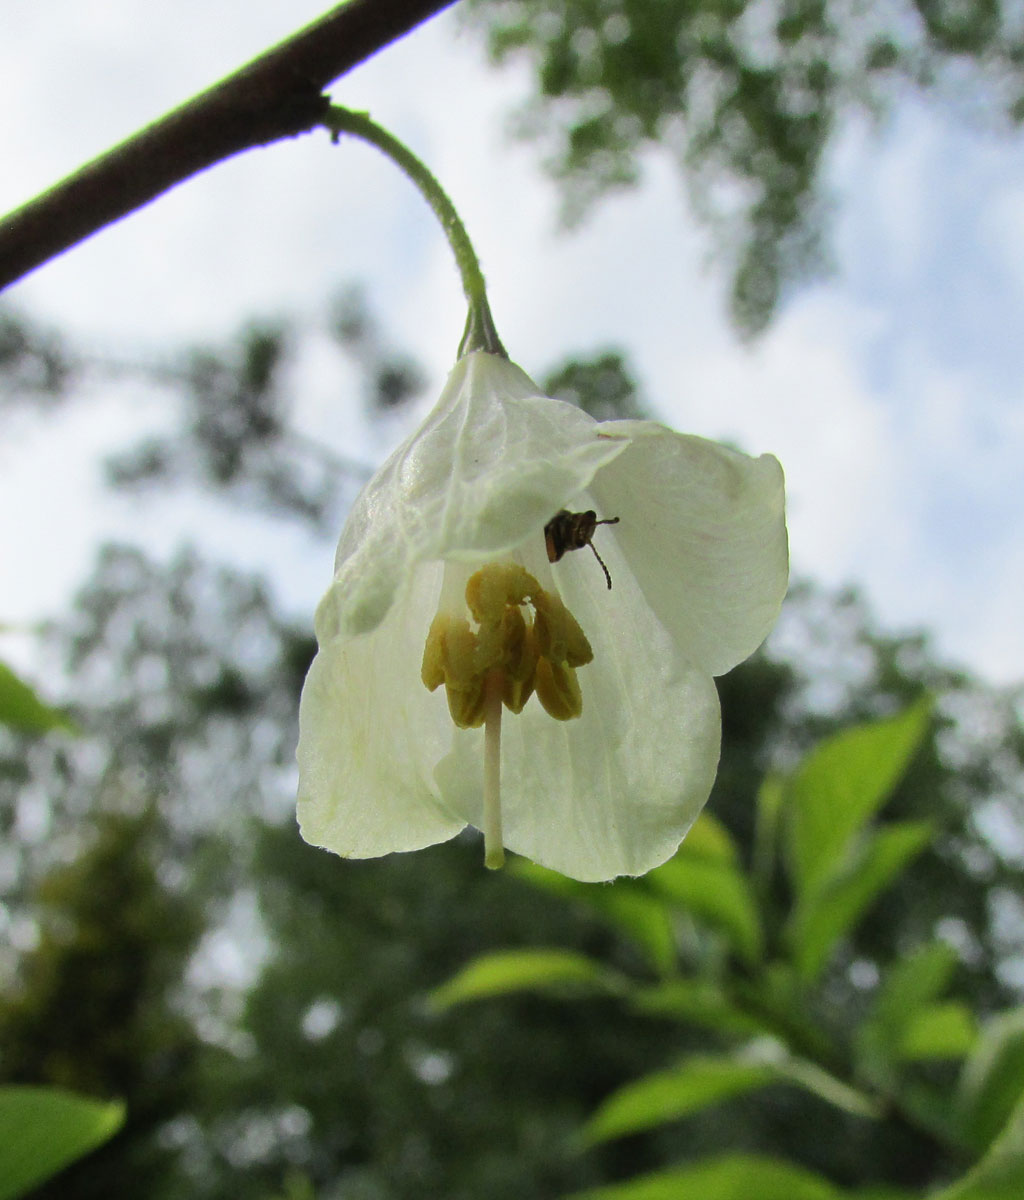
(400, 1102)
(392, 378)
(180, 672)
(92, 1009)
(601, 386)
(747, 96)
(236, 409)
(33, 362)
(238, 430)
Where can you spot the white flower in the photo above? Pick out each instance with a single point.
(443, 575)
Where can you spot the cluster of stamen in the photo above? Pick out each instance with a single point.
(522, 639)
(512, 651)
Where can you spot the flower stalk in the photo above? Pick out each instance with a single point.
(494, 847)
(480, 332)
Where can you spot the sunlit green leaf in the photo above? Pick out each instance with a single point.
(714, 891)
(770, 803)
(731, 1177)
(703, 877)
(297, 1186)
(1000, 1174)
(21, 708)
(668, 1095)
(908, 986)
(642, 917)
(778, 998)
(827, 1087)
(625, 904)
(44, 1129)
(709, 839)
(506, 971)
(820, 922)
(737, 1177)
(840, 786)
(992, 1083)
(939, 1031)
(697, 1002)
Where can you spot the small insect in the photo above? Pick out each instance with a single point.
(572, 531)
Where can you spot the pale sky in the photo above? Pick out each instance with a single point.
(891, 393)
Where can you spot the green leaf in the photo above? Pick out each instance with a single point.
(642, 917)
(771, 797)
(714, 891)
(730, 1177)
(840, 786)
(21, 708)
(827, 1087)
(44, 1129)
(778, 999)
(508, 971)
(819, 922)
(698, 1002)
(626, 904)
(736, 1177)
(709, 839)
(912, 983)
(667, 1095)
(992, 1082)
(881, 1191)
(908, 986)
(1000, 1174)
(939, 1031)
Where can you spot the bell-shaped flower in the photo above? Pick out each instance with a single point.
(478, 665)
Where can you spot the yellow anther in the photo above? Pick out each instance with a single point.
(460, 657)
(450, 657)
(466, 703)
(558, 690)
(432, 668)
(520, 661)
(494, 587)
(506, 654)
(559, 636)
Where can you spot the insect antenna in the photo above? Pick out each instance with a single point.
(605, 521)
(601, 560)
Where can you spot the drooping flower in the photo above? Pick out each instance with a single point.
(460, 595)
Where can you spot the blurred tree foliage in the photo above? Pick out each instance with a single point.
(261, 1005)
(92, 1009)
(747, 95)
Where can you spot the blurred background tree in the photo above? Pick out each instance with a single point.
(749, 98)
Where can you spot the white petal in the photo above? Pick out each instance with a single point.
(493, 461)
(703, 528)
(369, 736)
(614, 791)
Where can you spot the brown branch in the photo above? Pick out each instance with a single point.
(278, 95)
